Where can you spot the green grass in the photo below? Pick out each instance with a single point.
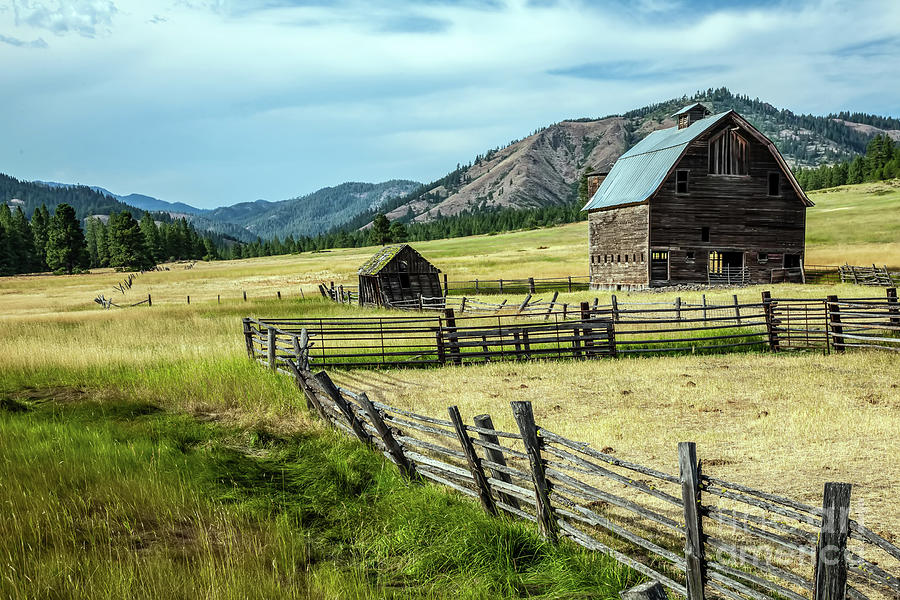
(122, 499)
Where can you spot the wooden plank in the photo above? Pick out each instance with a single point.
(393, 447)
(494, 455)
(270, 347)
(831, 552)
(473, 462)
(695, 570)
(344, 406)
(524, 415)
(450, 334)
(834, 322)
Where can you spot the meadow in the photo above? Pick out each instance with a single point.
(143, 455)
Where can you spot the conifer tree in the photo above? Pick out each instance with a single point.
(380, 233)
(66, 248)
(127, 249)
(40, 222)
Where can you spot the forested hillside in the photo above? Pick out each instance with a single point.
(86, 201)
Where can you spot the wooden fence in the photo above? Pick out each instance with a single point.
(591, 331)
(695, 533)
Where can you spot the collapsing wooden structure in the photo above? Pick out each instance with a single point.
(710, 200)
(396, 273)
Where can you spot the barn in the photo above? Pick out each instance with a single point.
(397, 272)
(710, 200)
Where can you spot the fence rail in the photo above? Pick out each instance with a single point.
(693, 532)
(591, 331)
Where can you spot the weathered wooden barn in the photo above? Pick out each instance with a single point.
(397, 272)
(709, 200)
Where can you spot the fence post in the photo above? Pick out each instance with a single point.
(474, 463)
(524, 304)
(831, 557)
(570, 283)
(833, 317)
(585, 330)
(189, 300)
(150, 300)
(248, 338)
(218, 298)
(893, 306)
(451, 335)
(301, 350)
(704, 307)
(678, 309)
(271, 347)
(531, 285)
(737, 309)
(245, 295)
(695, 570)
(335, 394)
(769, 312)
(462, 305)
(390, 443)
(615, 308)
(524, 416)
(501, 285)
(496, 456)
(550, 308)
(279, 294)
(476, 286)
(446, 288)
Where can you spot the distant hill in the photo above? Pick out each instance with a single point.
(85, 200)
(543, 169)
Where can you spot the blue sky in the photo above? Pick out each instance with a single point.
(213, 102)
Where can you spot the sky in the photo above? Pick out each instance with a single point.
(213, 102)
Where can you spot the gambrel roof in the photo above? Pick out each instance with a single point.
(639, 173)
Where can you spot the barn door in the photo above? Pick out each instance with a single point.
(659, 265)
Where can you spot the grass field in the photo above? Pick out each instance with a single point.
(142, 455)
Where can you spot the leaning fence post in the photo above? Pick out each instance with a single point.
(831, 551)
(737, 309)
(248, 338)
(390, 443)
(524, 416)
(496, 456)
(833, 312)
(695, 567)
(531, 285)
(893, 306)
(769, 313)
(335, 394)
(474, 463)
(271, 347)
(552, 303)
(524, 304)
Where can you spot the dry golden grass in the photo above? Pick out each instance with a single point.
(781, 423)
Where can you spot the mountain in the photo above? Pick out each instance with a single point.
(543, 169)
(314, 213)
(151, 204)
(85, 200)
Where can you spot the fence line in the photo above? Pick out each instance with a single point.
(591, 331)
(692, 532)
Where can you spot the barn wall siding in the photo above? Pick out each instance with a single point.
(618, 246)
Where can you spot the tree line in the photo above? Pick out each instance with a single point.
(58, 242)
(881, 161)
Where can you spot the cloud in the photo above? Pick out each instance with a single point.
(631, 69)
(37, 43)
(84, 17)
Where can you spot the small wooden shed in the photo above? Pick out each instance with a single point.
(397, 272)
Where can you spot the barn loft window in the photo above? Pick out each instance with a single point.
(704, 234)
(404, 275)
(774, 184)
(728, 154)
(681, 181)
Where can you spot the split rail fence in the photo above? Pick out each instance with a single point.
(695, 533)
(591, 331)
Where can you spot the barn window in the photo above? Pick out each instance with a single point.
(774, 184)
(404, 275)
(689, 257)
(626, 258)
(762, 258)
(618, 258)
(681, 182)
(704, 234)
(715, 262)
(728, 154)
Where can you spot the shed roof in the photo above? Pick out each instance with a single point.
(639, 172)
(380, 259)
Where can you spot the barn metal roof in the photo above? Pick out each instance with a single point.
(639, 172)
(380, 259)
(689, 108)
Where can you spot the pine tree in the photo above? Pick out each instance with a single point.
(66, 248)
(398, 232)
(40, 222)
(28, 261)
(127, 249)
(5, 259)
(380, 233)
(151, 237)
